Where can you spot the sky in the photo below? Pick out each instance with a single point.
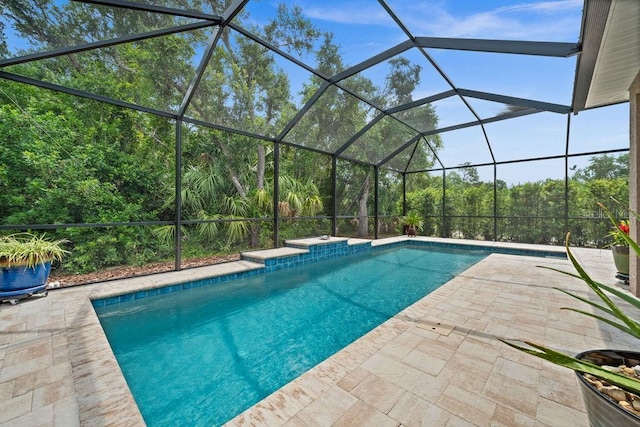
(362, 28)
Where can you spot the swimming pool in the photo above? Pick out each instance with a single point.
(201, 356)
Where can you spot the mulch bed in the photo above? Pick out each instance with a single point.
(134, 271)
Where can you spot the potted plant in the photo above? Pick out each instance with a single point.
(620, 249)
(25, 263)
(609, 379)
(412, 222)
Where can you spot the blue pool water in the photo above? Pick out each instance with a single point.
(201, 356)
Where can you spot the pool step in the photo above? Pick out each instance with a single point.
(305, 251)
(317, 242)
(266, 254)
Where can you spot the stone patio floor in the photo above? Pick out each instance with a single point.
(437, 363)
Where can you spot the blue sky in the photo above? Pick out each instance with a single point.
(362, 29)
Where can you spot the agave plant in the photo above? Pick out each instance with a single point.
(618, 320)
(26, 249)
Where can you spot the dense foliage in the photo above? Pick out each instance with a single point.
(81, 163)
(530, 212)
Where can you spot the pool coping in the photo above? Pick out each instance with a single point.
(77, 378)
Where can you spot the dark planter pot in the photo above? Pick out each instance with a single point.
(603, 412)
(621, 259)
(408, 230)
(22, 279)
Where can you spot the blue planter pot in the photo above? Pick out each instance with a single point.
(22, 278)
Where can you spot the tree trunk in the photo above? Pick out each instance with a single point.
(262, 161)
(260, 169)
(363, 216)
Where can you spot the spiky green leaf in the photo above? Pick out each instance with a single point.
(575, 364)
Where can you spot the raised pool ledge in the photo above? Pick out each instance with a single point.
(524, 249)
(305, 251)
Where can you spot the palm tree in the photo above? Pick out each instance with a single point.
(206, 195)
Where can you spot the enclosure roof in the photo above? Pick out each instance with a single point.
(377, 85)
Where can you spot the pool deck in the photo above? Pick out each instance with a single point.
(436, 363)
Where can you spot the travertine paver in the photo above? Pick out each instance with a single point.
(436, 363)
(467, 405)
(274, 253)
(377, 392)
(513, 394)
(552, 413)
(362, 414)
(318, 241)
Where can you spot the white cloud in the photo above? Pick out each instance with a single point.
(544, 7)
(367, 14)
(549, 20)
(557, 20)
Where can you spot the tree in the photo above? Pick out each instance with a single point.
(337, 116)
(105, 164)
(68, 160)
(604, 167)
(606, 176)
(4, 47)
(469, 174)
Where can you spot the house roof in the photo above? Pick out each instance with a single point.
(610, 57)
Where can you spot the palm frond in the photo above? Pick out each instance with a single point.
(235, 206)
(313, 205)
(237, 229)
(167, 233)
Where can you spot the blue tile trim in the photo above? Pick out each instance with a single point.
(173, 288)
(488, 248)
(316, 253)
